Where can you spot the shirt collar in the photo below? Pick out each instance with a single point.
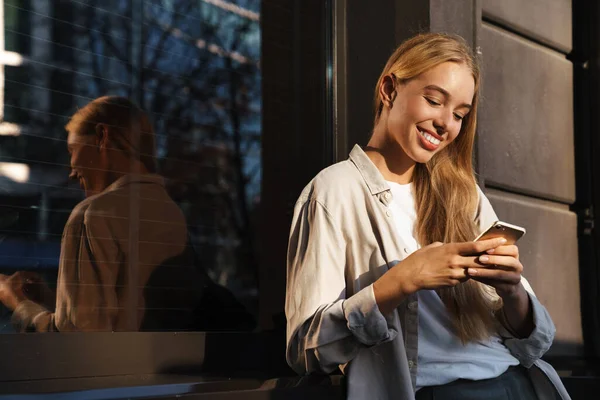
(135, 178)
(373, 178)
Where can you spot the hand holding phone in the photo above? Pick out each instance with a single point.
(500, 267)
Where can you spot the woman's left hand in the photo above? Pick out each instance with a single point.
(500, 269)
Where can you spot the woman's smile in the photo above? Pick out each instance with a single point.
(430, 141)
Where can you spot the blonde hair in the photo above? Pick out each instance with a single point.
(445, 189)
(136, 136)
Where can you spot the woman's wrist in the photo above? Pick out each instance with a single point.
(391, 289)
(517, 311)
(516, 295)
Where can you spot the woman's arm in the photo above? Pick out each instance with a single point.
(326, 328)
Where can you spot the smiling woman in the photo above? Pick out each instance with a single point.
(445, 322)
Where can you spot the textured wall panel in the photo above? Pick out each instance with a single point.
(456, 16)
(546, 20)
(526, 118)
(549, 255)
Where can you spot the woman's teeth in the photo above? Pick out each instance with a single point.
(430, 138)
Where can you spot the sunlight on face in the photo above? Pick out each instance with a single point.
(83, 159)
(428, 111)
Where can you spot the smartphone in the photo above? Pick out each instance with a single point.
(510, 232)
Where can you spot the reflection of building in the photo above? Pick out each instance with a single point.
(34, 199)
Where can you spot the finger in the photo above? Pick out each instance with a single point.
(501, 262)
(479, 247)
(498, 267)
(494, 275)
(459, 274)
(491, 282)
(469, 262)
(508, 250)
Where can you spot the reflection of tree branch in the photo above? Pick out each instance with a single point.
(111, 45)
(250, 176)
(166, 33)
(252, 138)
(238, 162)
(96, 68)
(107, 40)
(94, 36)
(90, 33)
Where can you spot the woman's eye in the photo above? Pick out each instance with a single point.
(432, 102)
(458, 117)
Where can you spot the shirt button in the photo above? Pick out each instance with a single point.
(411, 364)
(412, 306)
(387, 196)
(388, 213)
(406, 250)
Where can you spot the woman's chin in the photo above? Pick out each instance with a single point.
(422, 156)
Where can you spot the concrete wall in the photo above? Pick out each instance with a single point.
(526, 146)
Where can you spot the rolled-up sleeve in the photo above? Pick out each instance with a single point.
(528, 350)
(30, 315)
(325, 329)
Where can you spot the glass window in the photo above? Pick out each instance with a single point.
(145, 237)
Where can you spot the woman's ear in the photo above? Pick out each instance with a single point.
(387, 90)
(102, 136)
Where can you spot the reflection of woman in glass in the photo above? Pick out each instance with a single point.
(384, 280)
(124, 262)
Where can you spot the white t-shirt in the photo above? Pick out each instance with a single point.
(442, 358)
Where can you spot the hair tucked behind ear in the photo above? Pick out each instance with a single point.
(445, 189)
(136, 134)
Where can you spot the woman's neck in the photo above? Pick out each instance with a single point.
(390, 159)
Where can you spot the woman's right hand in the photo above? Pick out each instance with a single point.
(431, 267)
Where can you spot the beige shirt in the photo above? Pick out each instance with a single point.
(125, 264)
(342, 240)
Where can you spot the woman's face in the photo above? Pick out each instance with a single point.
(87, 164)
(428, 111)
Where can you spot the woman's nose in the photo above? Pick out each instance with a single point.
(441, 123)
(440, 126)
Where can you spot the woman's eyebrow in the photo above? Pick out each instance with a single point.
(445, 93)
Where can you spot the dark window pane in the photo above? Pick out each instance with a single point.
(193, 67)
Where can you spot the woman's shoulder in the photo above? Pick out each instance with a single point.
(340, 179)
